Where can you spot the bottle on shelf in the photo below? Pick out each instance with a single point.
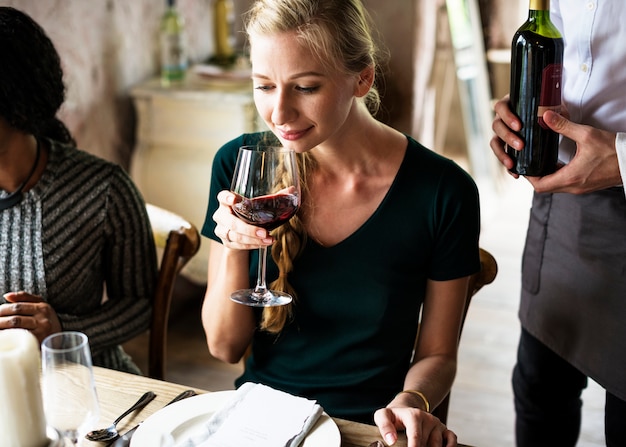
(172, 46)
(224, 33)
(536, 73)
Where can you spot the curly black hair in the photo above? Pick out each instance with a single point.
(31, 78)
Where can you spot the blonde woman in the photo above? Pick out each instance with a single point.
(385, 226)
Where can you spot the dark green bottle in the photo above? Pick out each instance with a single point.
(536, 75)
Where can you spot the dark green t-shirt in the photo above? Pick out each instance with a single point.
(357, 308)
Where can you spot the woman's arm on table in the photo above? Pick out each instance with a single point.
(433, 371)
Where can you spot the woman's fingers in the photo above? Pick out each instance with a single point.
(234, 232)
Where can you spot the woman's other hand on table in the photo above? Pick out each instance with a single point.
(31, 312)
(422, 428)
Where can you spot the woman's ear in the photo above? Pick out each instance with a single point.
(365, 81)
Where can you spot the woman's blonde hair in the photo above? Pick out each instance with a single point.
(339, 34)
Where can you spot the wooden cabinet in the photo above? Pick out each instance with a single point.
(179, 129)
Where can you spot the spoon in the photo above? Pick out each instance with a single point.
(109, 433)
(124, 440)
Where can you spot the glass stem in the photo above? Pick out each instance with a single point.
(261, 288)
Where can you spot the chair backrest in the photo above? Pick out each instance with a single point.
(179, 241)
(486, 275)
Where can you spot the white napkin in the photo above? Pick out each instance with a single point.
(258, 416)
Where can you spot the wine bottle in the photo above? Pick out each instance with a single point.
(224, 32)
(536, 73)
(173, 46)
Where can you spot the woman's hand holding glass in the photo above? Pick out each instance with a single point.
(234, 232)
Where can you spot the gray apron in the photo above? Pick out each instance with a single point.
(574, 282)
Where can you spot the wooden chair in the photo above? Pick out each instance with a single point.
(179, 241)
(486, 275)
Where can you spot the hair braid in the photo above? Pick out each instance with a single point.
(290, 240)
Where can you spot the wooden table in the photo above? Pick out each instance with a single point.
(117, 391)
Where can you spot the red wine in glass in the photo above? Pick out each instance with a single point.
(267, 191)
(269, 211)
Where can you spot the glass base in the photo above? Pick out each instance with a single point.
(268, 299)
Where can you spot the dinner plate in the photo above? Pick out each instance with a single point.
(186, 417)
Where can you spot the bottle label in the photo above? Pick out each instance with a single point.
(550, 98)
(173, 51)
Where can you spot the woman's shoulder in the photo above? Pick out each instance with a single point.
(252, 139)
(229, 150)
(69, 163)
(421, 153)
(65, 154)
(421, 159)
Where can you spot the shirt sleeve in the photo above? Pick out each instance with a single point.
(130, 270)
(456, 251)
(620, 147)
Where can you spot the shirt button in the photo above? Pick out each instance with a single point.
(584, 68)
(591, 5)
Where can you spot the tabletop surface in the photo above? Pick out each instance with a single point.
(117, 391)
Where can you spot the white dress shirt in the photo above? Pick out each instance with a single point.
(594, 74)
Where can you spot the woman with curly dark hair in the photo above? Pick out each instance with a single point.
(71, 223)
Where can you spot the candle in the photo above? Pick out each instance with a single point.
(22, 420)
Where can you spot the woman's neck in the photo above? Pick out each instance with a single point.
(19, 161)
(372, 149)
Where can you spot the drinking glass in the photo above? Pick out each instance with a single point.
(69, 392)
(267, 191)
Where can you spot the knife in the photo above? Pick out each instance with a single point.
(124, 440)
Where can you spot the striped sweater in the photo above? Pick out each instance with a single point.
(82, 240)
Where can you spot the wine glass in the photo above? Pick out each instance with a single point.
(69, 392)
(267, 191)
